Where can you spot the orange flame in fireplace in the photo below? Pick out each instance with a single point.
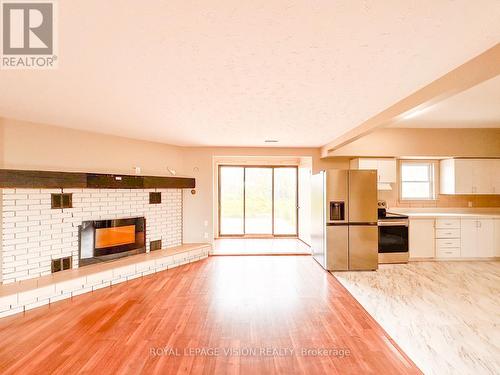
(107, 237)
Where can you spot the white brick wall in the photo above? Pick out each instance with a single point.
(32, 233)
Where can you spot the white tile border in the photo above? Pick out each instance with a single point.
(40, 296)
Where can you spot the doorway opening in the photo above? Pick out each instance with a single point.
(258, 201)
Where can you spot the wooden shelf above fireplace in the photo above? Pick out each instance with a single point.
(11, 178)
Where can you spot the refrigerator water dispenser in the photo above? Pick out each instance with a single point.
(337, 211)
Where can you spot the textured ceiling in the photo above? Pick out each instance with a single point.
(477, 107)
(235, 73)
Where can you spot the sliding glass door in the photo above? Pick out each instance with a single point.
(258, 200)
(231, 200)
(285, 201)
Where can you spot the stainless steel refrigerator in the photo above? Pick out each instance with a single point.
(344, 232)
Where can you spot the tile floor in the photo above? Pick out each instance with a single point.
(444, 315)
(260, 246)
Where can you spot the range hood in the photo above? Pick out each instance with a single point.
(384, 186)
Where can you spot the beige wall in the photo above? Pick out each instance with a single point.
(200, 209)
(35, 146)
(425, 142)
(41, 147)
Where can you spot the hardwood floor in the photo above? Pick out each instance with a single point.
(156, 324)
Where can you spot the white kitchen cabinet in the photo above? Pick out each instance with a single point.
(486, 238)
(448, 252)
(448, 238)
(470, 176)
(468, 234)
(464, 177)
(447, 242)
(495, 175)
(454, 237)
(447, 233)
(477, 238)
(496, 239)
(421, 238)
(448, 223)
(365, 163)
(386, 168)
(448, 178)
(482, 181)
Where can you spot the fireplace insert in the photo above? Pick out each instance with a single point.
(104, 240)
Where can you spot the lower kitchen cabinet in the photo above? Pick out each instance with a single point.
(497, 238)
(454, 238)
(477, 238)
(448, 238)
(486, 238)
(421, 238)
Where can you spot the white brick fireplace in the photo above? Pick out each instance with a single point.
(32, 234)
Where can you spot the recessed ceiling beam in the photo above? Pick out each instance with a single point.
(479, 69)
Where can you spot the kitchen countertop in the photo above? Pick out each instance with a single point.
(446, 212)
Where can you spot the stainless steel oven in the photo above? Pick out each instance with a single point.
(392, 238)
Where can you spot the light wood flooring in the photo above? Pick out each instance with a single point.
(193, 320)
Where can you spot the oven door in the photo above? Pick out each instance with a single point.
(393, 237)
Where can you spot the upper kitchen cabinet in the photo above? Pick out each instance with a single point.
(495, 175)
(470, 176)
(386, 169)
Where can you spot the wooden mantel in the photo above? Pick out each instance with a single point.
(10, 178)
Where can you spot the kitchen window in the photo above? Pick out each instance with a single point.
(417, 180)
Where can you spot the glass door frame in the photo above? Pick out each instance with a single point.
(244, 235)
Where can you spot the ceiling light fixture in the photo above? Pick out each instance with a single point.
(271, 141)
